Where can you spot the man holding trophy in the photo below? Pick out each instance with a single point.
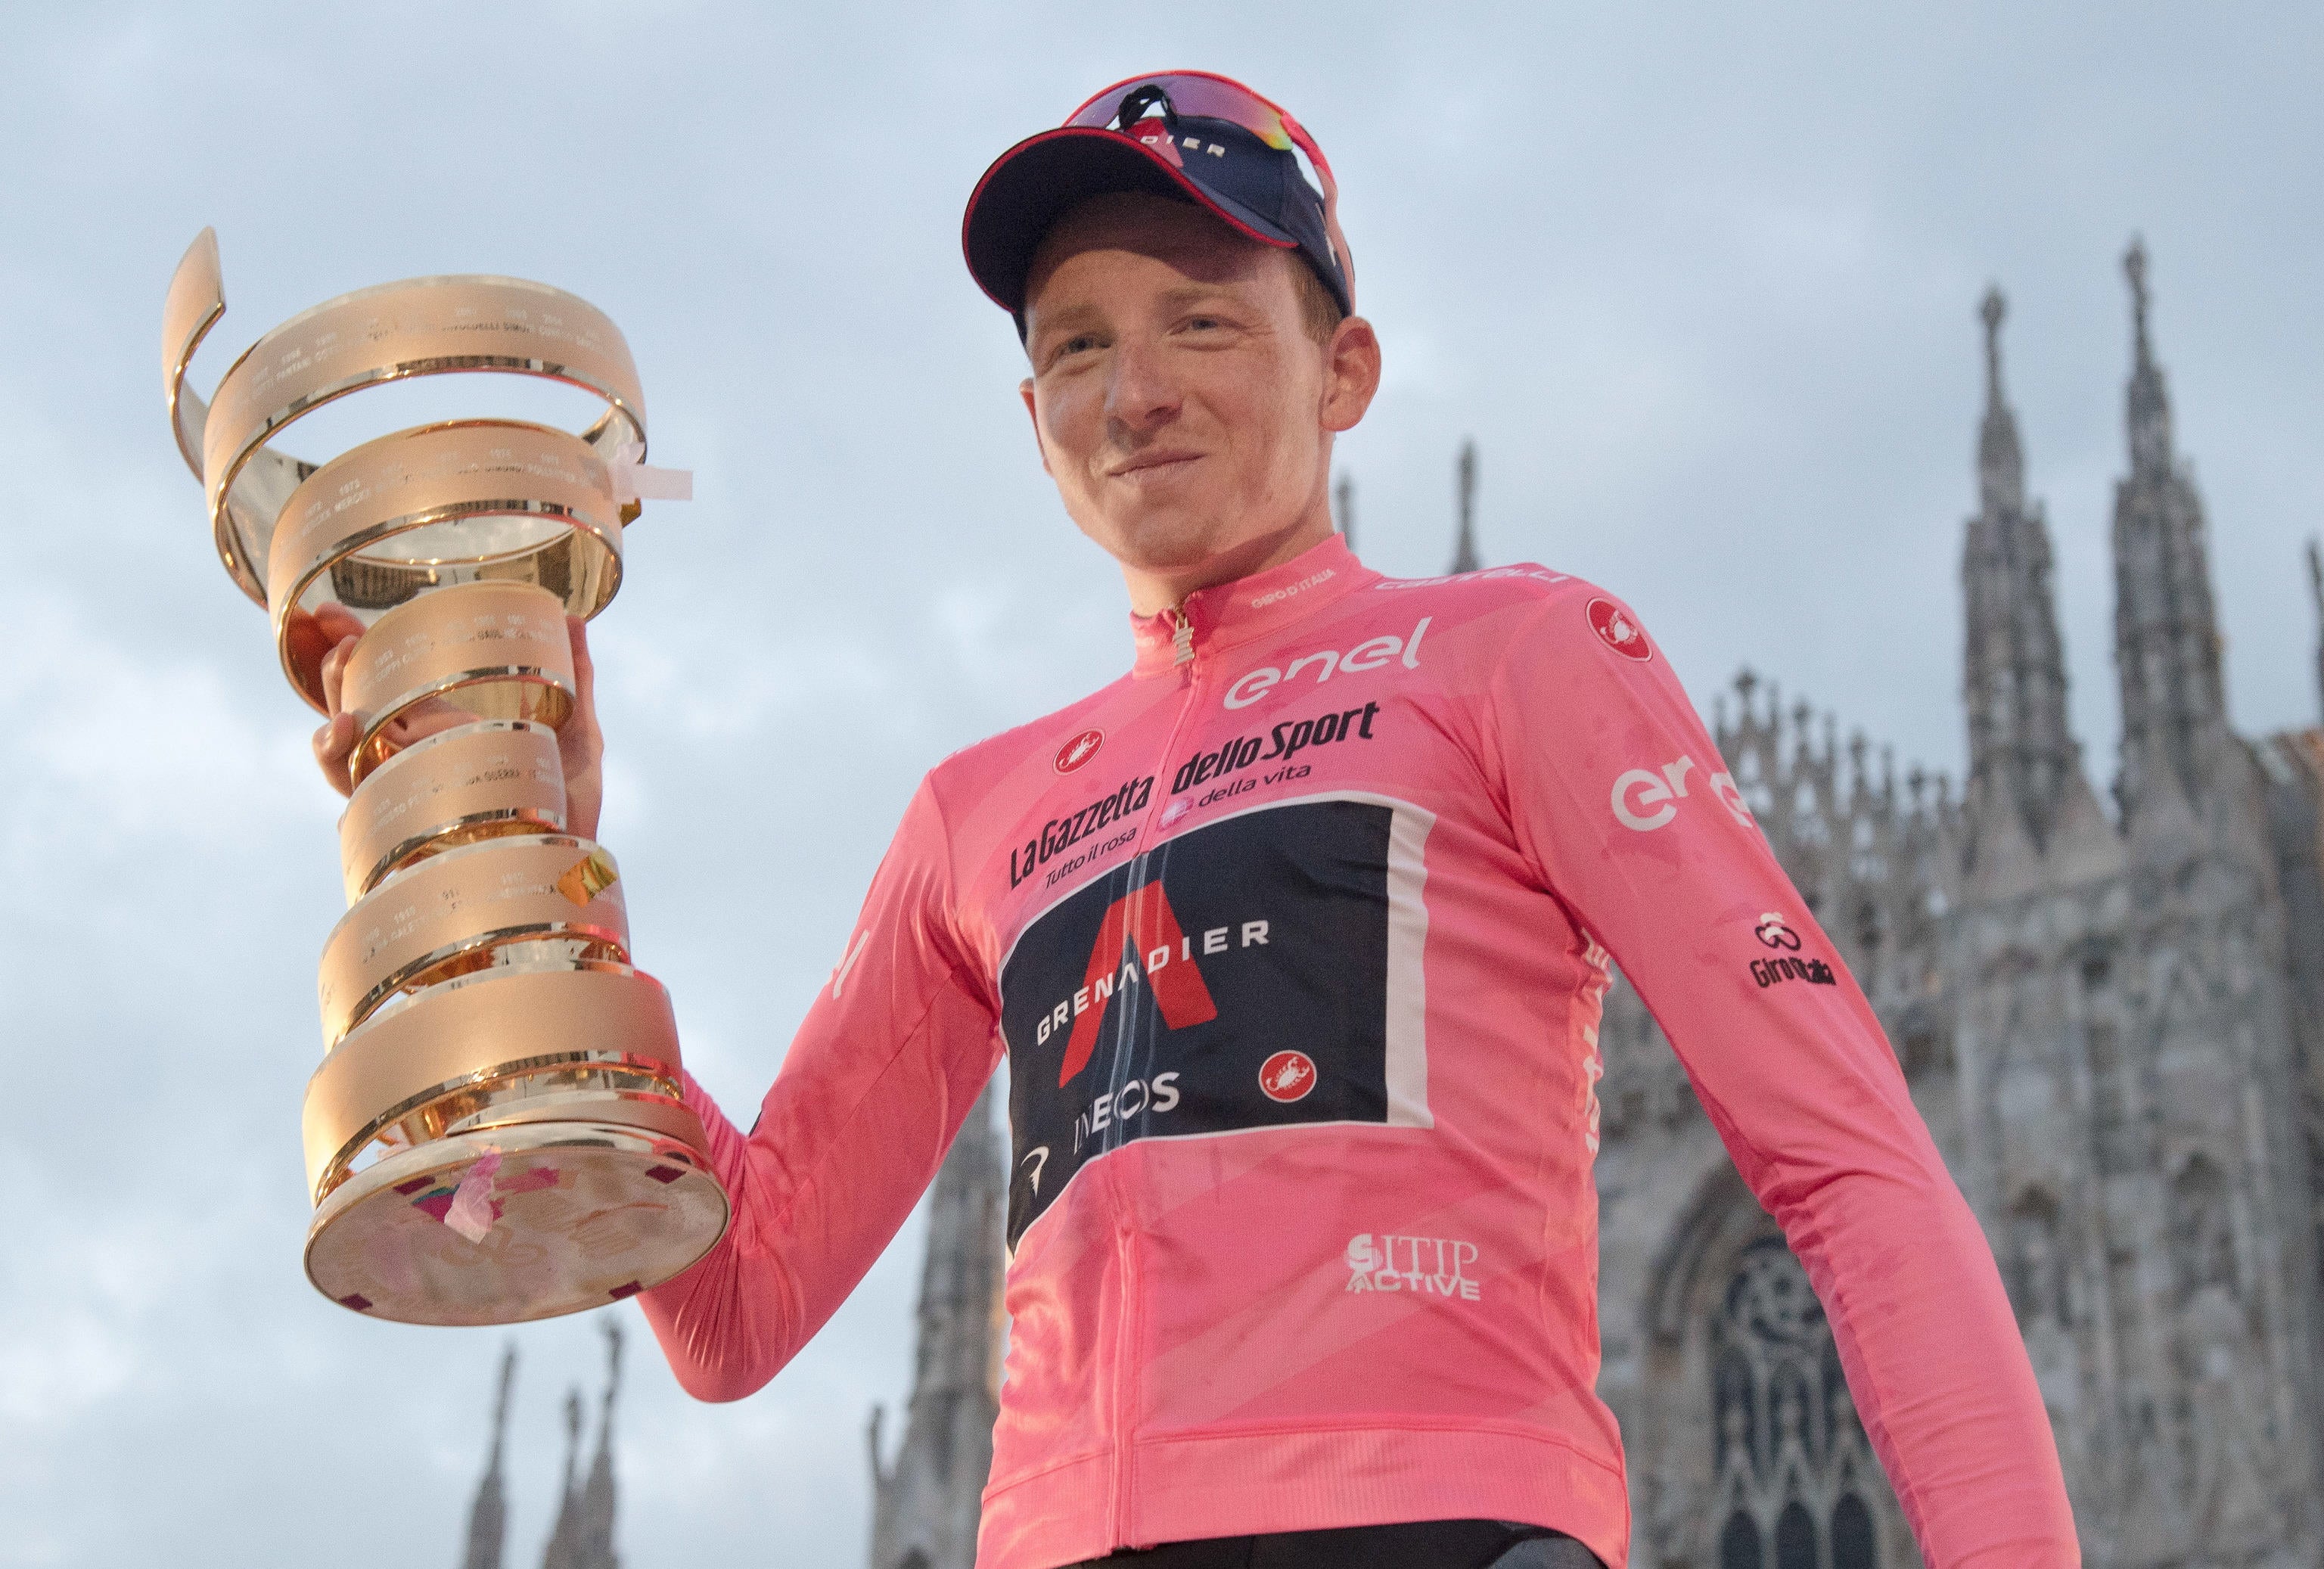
(1295, 937)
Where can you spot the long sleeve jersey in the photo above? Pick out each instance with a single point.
(1295, 937)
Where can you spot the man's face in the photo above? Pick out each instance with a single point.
(1183, 407)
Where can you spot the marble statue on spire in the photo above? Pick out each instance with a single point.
(2000, 456)
(2150, 402)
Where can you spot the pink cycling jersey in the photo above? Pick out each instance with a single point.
(1295, 937)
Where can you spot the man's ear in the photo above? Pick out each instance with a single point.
(1025, 390)
(1351, 373)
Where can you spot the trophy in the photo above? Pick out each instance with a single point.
(498, 1131)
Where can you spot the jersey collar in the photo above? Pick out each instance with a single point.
(1251, 607)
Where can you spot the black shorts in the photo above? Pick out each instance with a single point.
(1424, 1545)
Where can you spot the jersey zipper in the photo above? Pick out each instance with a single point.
(1125, 1349)
(1182, 644)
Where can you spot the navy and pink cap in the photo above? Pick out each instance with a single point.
(1186, 135)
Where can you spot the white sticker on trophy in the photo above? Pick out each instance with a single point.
(634, 480)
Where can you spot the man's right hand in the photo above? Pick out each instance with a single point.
(580, 744)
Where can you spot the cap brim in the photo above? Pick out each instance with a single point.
(1033, 184)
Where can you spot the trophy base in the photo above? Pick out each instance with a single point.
(582, 1214)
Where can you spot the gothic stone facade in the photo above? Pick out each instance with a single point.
(926, 1501)
(2109, 1017)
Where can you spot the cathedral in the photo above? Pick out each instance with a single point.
(583, 1534)
(2108, 1009)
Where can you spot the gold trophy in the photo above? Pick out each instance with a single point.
(498, 1130)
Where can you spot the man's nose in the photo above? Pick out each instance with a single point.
(1140, 396)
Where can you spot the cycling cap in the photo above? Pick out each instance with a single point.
(1177, 134)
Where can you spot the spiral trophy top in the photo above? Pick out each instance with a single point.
(391, 332)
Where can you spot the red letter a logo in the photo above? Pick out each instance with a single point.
(1143, 922)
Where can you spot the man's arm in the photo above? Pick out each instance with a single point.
(879, 1079)
(1623, 806)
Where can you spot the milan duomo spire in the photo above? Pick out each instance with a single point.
(2022, 755)
(2316, 593)
(488, 1519)
(2167, 648)
(926, 1503)
(566, 1532)
(1464, 550)
(583, 1537)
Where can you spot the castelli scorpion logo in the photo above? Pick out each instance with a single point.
(1288, 1076)
(1617, 631)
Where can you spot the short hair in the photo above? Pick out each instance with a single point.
(1319, 308)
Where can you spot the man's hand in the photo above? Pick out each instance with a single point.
(580, 745)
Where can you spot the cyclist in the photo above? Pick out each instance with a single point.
(1295, 936)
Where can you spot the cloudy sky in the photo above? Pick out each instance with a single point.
(1700, 279)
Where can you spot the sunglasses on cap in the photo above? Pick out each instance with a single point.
(1205, 94)
(1185, 134)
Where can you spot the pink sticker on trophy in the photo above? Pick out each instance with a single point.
(471, 1211)
(531, 1181)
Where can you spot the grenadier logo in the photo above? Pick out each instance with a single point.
(1287, 1076)
(1144, 923)
(1174, 995)
(1617, 631)
(1079, 750)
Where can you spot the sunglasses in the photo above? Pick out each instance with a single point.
(1207, 96)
